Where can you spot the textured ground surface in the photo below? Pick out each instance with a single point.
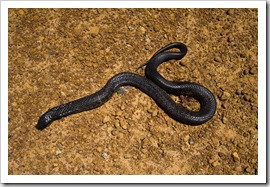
(58, 55)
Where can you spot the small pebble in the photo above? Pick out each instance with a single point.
(253, 161)
(216, 163)
(157, 27)
(116, 124)
(230, 39)
(253, 108)
(58, 152)
(165, 36)
(224, 120)
(247, 98)
(225, 96)
(245, 91)
(245, 72)
(21, 12)
(94, 30)
(99, 149)
(224, 105)
(221, 155)
(190, 141)
(184, 63)
(230, 12)
(240, 145)
(119, 113)
(106, 119)
(122, 90)
(142, 29)
(217, 59)
(154, 113)
(213, 162)
(248, 169)
(104, 155)
(238, 91)
(235, 156)
(40, 39)
(51, 52)
(123, 124)
(114, 132)
(253, 70)
(63, 93)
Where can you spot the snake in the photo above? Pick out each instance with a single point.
(154, 85)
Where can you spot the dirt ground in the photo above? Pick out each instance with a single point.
(59, 55)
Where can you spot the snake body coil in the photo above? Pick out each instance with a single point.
(154, 86)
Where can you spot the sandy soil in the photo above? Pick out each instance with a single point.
(58, 55)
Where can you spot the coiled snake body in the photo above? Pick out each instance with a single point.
(154, 86)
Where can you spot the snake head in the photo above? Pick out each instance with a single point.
(45, 120)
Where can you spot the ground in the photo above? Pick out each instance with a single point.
(59, 55)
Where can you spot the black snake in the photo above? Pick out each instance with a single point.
(155, 86)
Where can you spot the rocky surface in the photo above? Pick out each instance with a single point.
(58, 55)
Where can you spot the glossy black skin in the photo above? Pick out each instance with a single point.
(154, 86)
